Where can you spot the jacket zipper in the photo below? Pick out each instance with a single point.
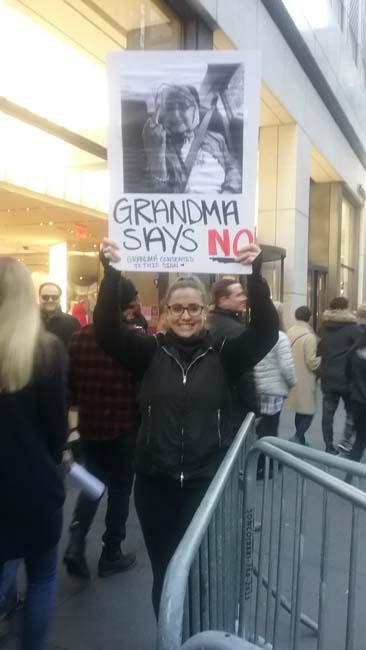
(184, 379)
(148, 424)
(219, 425)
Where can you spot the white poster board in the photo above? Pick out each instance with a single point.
(182, 157)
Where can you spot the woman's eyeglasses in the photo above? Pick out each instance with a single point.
(46, 297)
(193, 309)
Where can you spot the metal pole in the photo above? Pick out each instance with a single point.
(279, 568)
(323, 572)
(350, 627)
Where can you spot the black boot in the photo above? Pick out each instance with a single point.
(330, 449)
(112, 561)
(74, 558)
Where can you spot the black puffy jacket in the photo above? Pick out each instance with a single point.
(186, 407)
(338, 334)
(356, 371)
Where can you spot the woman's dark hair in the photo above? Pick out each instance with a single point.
(186, 282)
(339, 303)
(303, 313)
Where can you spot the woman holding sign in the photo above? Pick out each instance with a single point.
(185, 397)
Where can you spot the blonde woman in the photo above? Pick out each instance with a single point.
(32, 434)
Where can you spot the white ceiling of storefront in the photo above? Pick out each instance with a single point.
(29, 224)
(93, 26)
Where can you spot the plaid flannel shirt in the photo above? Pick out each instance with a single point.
(270, 404)
(103, 391)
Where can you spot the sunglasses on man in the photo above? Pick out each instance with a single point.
(47, 297)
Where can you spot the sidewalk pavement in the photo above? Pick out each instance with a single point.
(115, 613)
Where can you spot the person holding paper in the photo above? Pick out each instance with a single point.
(185, 399)
(104, 393)
(183, 154)
(33, 430)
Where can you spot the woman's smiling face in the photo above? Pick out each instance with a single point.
(186, 312)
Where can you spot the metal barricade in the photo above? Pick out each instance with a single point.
(217, 641)
(248, 577)
(202, 584)
(290, 561)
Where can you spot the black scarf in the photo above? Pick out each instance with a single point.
(187, 348)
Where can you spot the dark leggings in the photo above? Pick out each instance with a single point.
(165, 510)
(267, 426)
(359, 420)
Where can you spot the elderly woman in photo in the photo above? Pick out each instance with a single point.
(183, 154)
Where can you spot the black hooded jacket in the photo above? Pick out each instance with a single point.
(226, 323)
(339, 332)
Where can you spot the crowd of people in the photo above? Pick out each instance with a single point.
(156, 413)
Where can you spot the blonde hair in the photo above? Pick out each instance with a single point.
(186, 282)
(20, 325)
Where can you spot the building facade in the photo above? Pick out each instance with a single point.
(311, 150)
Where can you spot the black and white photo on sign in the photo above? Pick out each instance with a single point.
(182, 158)
(182, 129)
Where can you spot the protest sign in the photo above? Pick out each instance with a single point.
(182, 157)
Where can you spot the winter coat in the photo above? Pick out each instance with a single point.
(32, 436)
(302, 398)
(185, 393)
(338, 333)
(221, 323)
(275, 374)
(356, 371)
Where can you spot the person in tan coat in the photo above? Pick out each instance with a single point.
(302, 398)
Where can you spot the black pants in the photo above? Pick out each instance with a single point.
(331, 400)
(302, 423)
(111, 462)
(165, 510)
(359, 419)
(267, 426)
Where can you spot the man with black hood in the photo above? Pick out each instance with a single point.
(338, 334)
(104, 394)
(225, 320)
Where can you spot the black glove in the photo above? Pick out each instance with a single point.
(103, 259)
(257, 265)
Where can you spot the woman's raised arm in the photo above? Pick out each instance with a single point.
(243, 352)
(131, 349)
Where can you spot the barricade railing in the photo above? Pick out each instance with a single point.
(240, 566)
(202, 584)
(217, 641)
(283, 547)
